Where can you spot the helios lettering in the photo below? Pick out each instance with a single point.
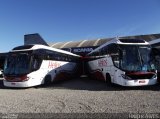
(53, 65)
(102, 63)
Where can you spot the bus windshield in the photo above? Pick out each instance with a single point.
(136, 58)
(17, 64)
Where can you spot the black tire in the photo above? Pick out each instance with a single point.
(108, 79)
(47, 80)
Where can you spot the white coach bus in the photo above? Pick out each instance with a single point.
(126, 62)
(156, 52)
(32, 65)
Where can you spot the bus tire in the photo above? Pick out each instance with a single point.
(108, 79)
(47, 80)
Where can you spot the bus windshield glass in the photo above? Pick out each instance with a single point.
(136, 58)
(17, 64)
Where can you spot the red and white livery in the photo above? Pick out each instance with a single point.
(32, 65)
(126, 62)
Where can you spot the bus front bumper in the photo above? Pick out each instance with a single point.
(24, 84)
(140, 82)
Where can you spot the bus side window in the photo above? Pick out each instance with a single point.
(156, 58)
(114, 52)
(102, 51)
(105, 50)
(36, 63)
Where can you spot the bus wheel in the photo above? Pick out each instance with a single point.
(47, 80)
(108, 79)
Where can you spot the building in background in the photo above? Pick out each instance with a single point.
(82, 47)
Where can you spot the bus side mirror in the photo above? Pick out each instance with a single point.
(35, 65)
(155, 53)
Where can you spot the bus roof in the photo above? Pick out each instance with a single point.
(123, 41)
(35, 47)
(155, 41)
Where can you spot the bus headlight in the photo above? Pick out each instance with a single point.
(125, 77)
(154, 76)
(24, 78)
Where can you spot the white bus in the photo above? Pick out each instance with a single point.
(32, 65)
(126, 62)
(156, 52)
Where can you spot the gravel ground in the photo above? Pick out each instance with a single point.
(80, 96)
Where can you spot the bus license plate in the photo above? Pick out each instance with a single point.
(13, 83)
(142, 81)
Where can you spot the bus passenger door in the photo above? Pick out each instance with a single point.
(115, 68)
(109, 69)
